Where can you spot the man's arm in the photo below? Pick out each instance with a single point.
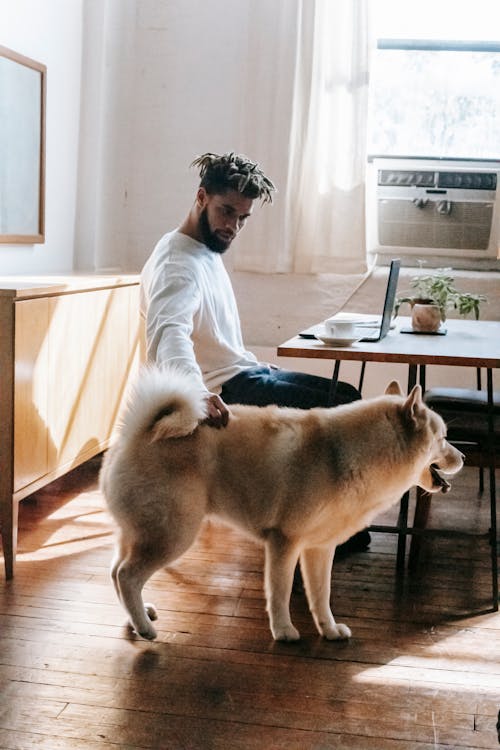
(173, 301)
(172, 304)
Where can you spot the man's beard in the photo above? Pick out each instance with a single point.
(211, 239)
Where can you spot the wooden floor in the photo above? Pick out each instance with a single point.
(421, 671)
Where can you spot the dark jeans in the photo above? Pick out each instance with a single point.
(263, 385)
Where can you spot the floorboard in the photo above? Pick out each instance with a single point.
(421, 672)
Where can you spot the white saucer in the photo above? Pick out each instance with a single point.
(333, 341)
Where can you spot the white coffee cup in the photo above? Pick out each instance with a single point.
(340, 328)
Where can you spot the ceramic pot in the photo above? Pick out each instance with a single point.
(425, 318)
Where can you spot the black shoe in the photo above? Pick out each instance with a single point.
(357, 543)
(298, 583)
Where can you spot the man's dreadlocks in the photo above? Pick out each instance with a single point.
(233, 172)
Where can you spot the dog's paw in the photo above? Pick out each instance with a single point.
(148, 633)
(151, 611)
(286, 633)
(338, 632)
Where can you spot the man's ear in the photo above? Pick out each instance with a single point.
(201, 197)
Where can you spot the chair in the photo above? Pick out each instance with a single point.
(473, 427)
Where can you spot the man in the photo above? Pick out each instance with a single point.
(192, 320)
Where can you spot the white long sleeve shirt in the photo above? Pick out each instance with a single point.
(192, 320)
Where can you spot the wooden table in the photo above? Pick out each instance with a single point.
(68, 348)
(467, 343)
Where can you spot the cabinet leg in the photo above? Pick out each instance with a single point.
(9, 536)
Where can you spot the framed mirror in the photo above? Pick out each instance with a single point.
(22, 148)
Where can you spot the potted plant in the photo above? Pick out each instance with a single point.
(435, 294)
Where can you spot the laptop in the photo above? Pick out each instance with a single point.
(374, 328)
(377, 334)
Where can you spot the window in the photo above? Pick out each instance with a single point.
(435, 83)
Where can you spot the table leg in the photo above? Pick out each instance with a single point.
(493, 493)
(402, 530)
(422, 510)
(333, 384)
(361, 376)
(412, 376)
(403, 506)
(421, 377)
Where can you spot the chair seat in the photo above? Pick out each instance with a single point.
(462, 398)
(464, 410)
(466, 413)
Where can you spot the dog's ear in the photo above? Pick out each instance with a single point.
(394, 389)
(413, 403)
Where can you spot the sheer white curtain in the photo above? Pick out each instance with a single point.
(325, 190)
(321, 203)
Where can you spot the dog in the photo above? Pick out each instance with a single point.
(299, 481)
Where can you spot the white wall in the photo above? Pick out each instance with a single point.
(188, 98)
(162, 81)
(166, 80)
(106, 156)
(50, 32)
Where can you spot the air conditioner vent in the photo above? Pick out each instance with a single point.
(466, 226)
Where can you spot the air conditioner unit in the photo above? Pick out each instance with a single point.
(445, 211)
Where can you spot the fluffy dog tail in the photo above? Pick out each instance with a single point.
(163, 404)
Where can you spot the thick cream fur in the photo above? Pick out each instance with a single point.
(300, 482)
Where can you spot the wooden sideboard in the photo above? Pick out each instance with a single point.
(69, 346)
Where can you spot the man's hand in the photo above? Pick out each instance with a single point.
(218, 413)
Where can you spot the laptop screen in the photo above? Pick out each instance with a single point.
(374, 330)
(390, 296)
